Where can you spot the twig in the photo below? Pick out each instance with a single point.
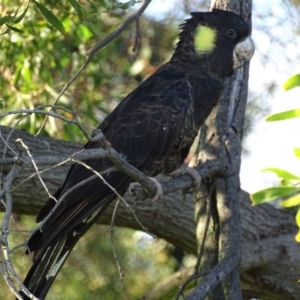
(58, 160)
(35, 167)
(113, 242)
(19, 245)
(64, 89)
(7, 146)
(119, 30)
(167, 285)
(38, 110)
(196, 273)
(117, 194)
(7, 268)
(214, 277)
(137, 36)
(110, 170)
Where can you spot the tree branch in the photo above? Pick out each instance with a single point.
(270, 255)
(220, 254)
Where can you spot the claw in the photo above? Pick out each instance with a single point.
(158, 193)
(191, 172)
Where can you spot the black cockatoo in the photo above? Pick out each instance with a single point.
(153, 128)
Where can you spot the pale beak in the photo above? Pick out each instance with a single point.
(243, 52)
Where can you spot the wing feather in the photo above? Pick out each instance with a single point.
(143, 128)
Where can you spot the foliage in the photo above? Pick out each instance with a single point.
(289, 190)
(38, 60)
(43, 44)
(292, 82)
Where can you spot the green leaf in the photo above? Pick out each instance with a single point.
(76, 7)
(293, 201)
(50, 17)
(94, 29)
(298, 217)
(271, 194)
(83, 33)
(126, 5)
(5, 19)
(297, 237)
(21, 16)
(297, 152)
(26, 74)
(282, 173)
(84, 11)
(292, 82)
(284, 115)
(14, 28)
(17, 75)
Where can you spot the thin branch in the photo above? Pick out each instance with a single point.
(38, 110)
(214, 277)
(137, 36)
(110, 170)
(119, 30)
(117, 194)
(168, 284)
(7, 268)
(195, 275)
(35, 167)
(112, 241)
(64, 90)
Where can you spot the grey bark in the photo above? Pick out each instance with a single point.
(270, 255)
(217, 206)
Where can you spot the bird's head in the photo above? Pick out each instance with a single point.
(216, 42)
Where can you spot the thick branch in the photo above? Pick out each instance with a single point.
(270, 260)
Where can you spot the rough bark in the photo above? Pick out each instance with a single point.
(270, 255)
(217, 203)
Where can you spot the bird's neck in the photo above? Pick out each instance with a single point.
(187, 60)
(190, 66)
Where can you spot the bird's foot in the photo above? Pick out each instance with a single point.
(191, 172)
(158, 193)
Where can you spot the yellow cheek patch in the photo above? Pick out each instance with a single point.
(205, 39)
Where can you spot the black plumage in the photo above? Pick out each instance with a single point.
(153, 127)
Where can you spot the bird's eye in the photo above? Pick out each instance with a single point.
(231, 33)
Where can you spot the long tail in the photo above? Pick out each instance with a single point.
(46, 267)
(43, 272)
(73, 217)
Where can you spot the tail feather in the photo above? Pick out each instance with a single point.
(52, 244)
(43, 272)
(50, 259)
